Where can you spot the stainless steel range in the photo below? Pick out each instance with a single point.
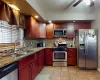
(60, 55)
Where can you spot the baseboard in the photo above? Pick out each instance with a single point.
(98, 69)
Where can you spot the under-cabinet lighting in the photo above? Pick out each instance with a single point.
(13, 6)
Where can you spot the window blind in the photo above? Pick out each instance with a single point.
(9, 33)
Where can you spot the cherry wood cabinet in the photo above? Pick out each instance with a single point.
(33, 69)
(41, 59)
(48, 56)
(86, 25)
(70, 30)
(71, 56)
(49, 31)
(30, 66)
(60, 26)
(24, 73)
(42, 30)
(71, 34)
(32, 29)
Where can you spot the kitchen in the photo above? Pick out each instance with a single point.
(48, 40)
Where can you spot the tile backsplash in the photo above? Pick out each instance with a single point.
(49, 42)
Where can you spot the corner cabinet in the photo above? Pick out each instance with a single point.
(49, 31)
(34, 29)
(31, 30)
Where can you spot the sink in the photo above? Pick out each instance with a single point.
(30, 51)
(16, 55)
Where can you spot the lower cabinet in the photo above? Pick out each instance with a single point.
(71, 56)
(24, 73)
(34, 69)
(41, 60)
(30, 66)
(48, 56)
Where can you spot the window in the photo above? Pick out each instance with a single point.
(9, 33)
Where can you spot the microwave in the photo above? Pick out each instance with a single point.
(60, 33)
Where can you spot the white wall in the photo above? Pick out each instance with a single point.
(80, 12)
(38, 9)
(96, 25)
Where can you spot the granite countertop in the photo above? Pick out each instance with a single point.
(8, 59)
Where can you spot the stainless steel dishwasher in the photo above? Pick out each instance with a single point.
(9, 72)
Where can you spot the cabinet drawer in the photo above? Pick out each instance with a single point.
(48, 50)
(71, 62)
(71, 58)
(71, 55)
(72, 49)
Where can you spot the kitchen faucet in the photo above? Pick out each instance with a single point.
(17, 41)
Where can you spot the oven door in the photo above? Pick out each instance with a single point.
(59, 56)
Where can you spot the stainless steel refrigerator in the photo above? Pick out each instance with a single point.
(87, 49)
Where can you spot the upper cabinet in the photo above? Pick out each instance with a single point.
(36, 29)
(70, 30)
(42, 30)
(86, 25)
(32, 28)
(60, 26)
(49, 31)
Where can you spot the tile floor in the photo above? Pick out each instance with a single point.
(67, 73)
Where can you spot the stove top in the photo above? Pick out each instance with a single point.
(59, 49)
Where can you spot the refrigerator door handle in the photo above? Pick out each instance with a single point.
(84, 50)
(86, 43)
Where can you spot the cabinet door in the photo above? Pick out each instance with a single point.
(24, 73)
(70, 30)
(40, 62)
(42, 30)
(33, 70)
(41, 59)
(28, 27)
(60, 26)
(34, 28)
(49, 31)
(86, 25)
(48, 57)
(37, 65)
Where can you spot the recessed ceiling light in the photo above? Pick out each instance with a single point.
(50, 21)
(13, 6)
(36, 17)
(87, 2)
(73, 21)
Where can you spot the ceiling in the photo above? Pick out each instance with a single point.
(62, 10)
(24, 7)
(54, 5)
(55, 10)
